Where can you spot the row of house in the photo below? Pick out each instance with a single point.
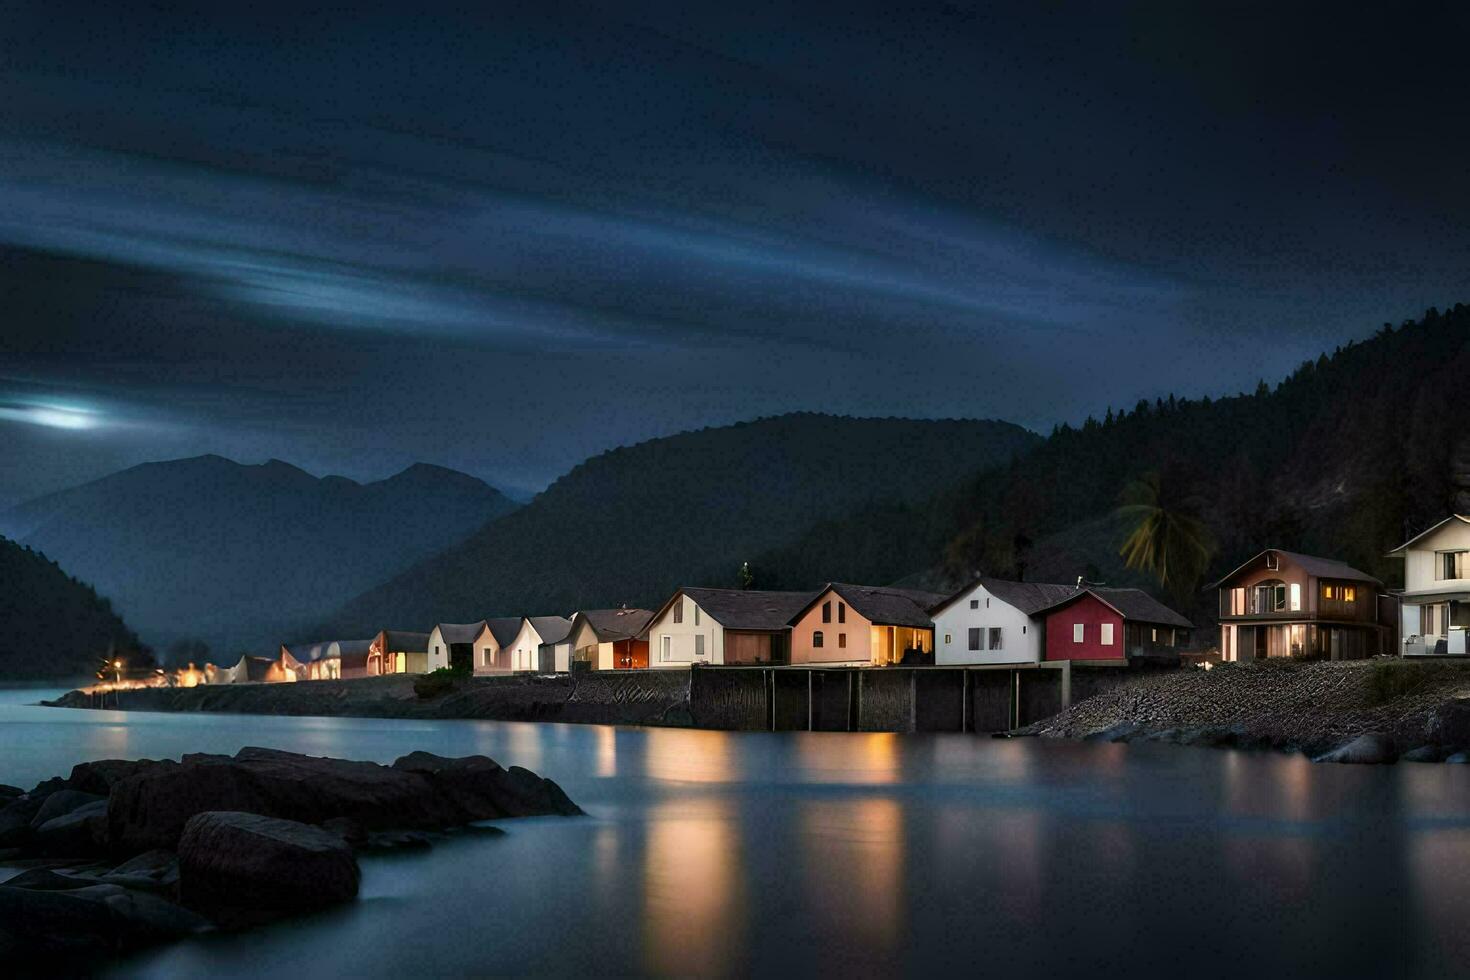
(1278, 604)
(990, 621)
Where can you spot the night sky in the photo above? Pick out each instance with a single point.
(507, 240)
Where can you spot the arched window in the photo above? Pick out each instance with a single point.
(817, 638)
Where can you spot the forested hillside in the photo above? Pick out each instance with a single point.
(1343, 458)
(52, 625)
(633, 524)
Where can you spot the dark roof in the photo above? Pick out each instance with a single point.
(551, 629)
(882, 605)
(504, 629)
(1311, 564)
(1025, 596)
(460, 632)
(405, 641)
(1453, 517)
(747, 609)
(1132, 604)
(615, 624)
(349, 648)
(256, 668)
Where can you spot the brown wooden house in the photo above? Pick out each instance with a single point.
(1284, 604)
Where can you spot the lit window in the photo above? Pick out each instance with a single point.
(1296, 596)
(817, 638)
(1349, 594)
(1078, 632)
(1107, 634)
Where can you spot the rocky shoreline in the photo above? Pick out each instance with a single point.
(1376, 711)
(609, 698)
(120, 855)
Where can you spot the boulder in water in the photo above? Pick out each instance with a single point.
(244, 867)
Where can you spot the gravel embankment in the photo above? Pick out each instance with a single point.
(1287, 705)
(630, 698)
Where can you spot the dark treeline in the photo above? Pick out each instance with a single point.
(52, 625)
(1344, 458)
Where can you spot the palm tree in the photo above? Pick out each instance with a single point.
(1167, 541)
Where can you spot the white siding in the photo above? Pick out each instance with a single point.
(1021, 638)
(1420, 569)
(438, 650)
(681, 637)
(525, 649)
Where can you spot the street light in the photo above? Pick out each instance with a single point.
(117, 666)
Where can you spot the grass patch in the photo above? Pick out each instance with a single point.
(1390, 679)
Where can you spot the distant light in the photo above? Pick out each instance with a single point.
(52, 416)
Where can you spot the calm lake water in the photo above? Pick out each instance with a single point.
(734, 853)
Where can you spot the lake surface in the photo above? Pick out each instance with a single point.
(718, 853)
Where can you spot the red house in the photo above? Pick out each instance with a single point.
(1112, 624)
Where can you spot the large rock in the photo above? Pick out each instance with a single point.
(483, 789)
(62, 802)
(99, 777)
(149, 808)
(83, 831)
(242, 867)
(15, 821)
(87, 920)
(1369, 749)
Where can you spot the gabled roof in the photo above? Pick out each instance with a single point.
(1028, 597)
(1422, 534)
(504, 629)
(460, 632)
(405, 641)
(611, 625)
(348, 648)
(744, 609)
(881, 605)
(1311, 564)
(551, 629)
(1132, 604)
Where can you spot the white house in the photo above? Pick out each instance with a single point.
(1434, 610)
(525, 649)
(452, 644)
(990, 621)
(492, 646)
(723, 626)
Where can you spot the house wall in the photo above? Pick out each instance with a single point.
(438, 650)
(682, 637)
(856, 629)
(1021, 637)
(1290, 573)
(1419, 564)
(489, 657)
(525, 648)
(1092, 614)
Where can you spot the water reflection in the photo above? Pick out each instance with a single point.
(694, 913)
(771, 854)
(684, 756)
(853, 867)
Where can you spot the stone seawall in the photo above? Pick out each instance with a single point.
(629, 698)
(1404, 709)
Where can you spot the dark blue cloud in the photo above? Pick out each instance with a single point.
(508, 239)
